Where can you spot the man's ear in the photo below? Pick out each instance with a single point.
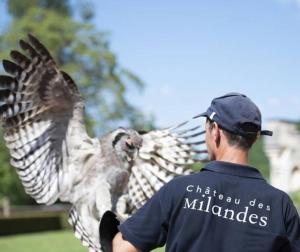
(216, 132)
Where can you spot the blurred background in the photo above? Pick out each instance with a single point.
(148, 64)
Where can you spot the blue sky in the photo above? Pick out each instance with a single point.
(188, 52)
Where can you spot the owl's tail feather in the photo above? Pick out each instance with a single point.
(81, 233)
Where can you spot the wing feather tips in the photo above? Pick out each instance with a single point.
(71, 84)
(80, 232)
(29, 49)
(20, 59)
(41, 49)
(8, 83)
(12, 68)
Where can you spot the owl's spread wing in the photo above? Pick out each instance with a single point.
(42, 116)
(164, 155)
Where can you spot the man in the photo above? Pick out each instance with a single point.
(228, 206)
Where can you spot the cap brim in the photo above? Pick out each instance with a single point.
(266, 133)
(204, 114)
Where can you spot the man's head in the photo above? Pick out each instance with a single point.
(233, 121)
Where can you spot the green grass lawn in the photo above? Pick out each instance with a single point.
(59, 241)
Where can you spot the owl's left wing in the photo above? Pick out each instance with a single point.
(164, 155)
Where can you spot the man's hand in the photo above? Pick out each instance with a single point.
(120, 245)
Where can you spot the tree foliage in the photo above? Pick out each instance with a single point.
(298, 125)
(19, 8)
(296, 199)
(82, 51)
(259, 160)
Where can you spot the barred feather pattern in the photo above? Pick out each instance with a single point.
(37, 104)
(80, 231)
(165, 154)
(41, 111)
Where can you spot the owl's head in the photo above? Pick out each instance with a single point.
(127, 143)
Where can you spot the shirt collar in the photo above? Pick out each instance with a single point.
(233, 169)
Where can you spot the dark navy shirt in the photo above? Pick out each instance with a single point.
(225, 207)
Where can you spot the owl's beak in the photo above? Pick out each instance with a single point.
(129, 144)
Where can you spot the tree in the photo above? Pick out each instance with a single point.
(82, 51)
(259, 159)
(298, 126)
(296, 199)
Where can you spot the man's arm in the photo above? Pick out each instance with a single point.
(292, 220)
(121, 245)
(147, 228)
(292, 223)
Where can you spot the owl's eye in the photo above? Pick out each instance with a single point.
(118, 138)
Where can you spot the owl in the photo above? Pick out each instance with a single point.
(42, 115)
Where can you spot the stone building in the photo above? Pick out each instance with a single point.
(283, 151)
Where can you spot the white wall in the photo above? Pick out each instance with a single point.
(283, 151)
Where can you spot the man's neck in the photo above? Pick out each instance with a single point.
(233, 155)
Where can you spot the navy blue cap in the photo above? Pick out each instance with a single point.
(237, 114)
